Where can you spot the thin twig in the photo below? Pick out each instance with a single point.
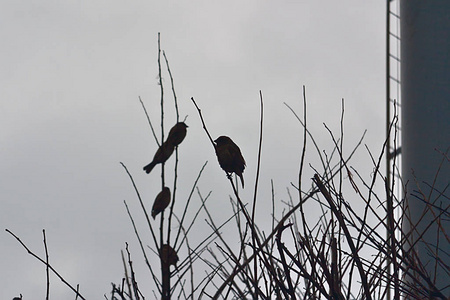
(48, 265)
(46, 268)
(188, 201)
(173, 87)
(141, 202)
(149, 122)
(356, 256)
(255, 264)
(147, 262)
(125, 269)
(133, 277)
(203, 122)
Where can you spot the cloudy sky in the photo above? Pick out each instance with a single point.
(70, 79)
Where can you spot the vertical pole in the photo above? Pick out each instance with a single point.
(388, 143)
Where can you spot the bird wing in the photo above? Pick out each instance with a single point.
(225, 157)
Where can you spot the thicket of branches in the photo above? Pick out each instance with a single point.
(344, 254)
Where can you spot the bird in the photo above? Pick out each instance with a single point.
(229, 156)
(177, 134)
(162, 200)
(168, 255)
(162, 154)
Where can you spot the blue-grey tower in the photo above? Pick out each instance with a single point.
(425, 125)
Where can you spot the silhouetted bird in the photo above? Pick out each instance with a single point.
(162, 154)
(229, 156)
(162, 200)
(168, 255)
(177, 134)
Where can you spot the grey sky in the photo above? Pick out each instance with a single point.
(71, 73)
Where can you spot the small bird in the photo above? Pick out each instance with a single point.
(168, 255)
(230, 157)
(177, 134)
(162, 154)
(162, 200)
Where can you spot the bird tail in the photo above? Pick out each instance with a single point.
(148, 168)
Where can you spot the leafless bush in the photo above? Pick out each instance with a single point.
(343, 254)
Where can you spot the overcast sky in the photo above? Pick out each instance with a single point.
(70, 77)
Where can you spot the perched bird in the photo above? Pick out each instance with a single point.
(168, 255)
(162, 200)
(177, 134)
(162, 154)
(229, 156)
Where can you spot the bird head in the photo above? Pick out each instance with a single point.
(222, 140)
